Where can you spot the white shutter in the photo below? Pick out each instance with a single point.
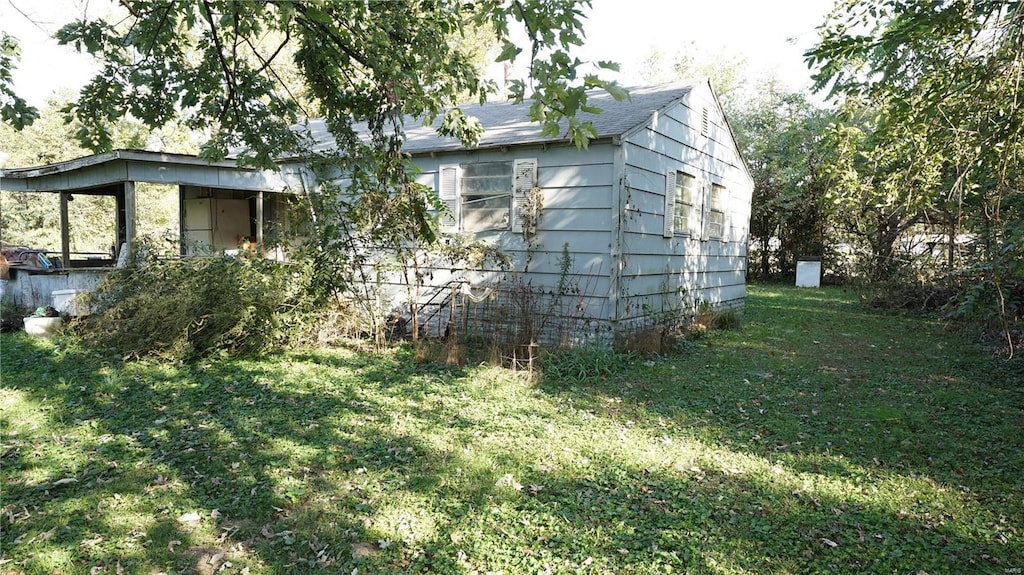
(670, 203)
(524, 179)
(448, 193)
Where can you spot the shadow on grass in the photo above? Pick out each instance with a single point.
(185, 468)
(831, 392)
(328, 462)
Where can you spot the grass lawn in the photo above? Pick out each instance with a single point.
(819, 438)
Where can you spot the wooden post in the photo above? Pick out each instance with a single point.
(129, 216)
(181, 220)
(65, 235)
(259, 223)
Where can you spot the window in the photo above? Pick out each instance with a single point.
(680, 194)
(486, 201)
(486, 196)
(716, 212)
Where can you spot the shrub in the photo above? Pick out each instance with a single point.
(185, 309)
(911, 295)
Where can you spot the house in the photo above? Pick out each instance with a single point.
(643, 225)
(654, 214)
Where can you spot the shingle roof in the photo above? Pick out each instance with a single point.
(506, 124)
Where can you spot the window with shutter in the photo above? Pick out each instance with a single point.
(485, 196)
(716, 212)
(680, 189)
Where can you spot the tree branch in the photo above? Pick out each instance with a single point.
(229, 80)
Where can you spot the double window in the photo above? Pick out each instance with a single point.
(486, 196)
(692, 208)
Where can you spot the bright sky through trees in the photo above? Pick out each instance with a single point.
(769, 37)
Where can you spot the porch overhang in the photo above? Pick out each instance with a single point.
(116, 173)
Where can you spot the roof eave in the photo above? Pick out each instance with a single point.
(116, 155)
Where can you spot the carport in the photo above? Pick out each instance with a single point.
(221, 206)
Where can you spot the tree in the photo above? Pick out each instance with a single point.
(946, 79)
(14, 110)
(372, 61)
(727, 72)
(779, 133)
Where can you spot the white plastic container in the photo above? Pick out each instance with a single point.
(42, 326)
(808, 273)
(68, 301)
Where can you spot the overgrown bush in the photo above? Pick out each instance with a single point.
(185, 309)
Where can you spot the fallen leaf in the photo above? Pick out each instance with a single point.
(829, 542)
(509, 481)
(172, 545)
(65, 481)
(216, 558)
(189, 517)
(362, 550)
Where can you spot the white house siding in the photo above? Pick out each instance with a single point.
(660, 274)
(577, 213)
(607, 205)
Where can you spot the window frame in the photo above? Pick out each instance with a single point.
(716, 207)
(480, 195)
(679, 213)
(456, 191)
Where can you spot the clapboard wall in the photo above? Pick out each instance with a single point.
(661, 271)
(606, 206)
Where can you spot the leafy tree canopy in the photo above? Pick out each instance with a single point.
(228, 69)
(946, 80)
(947, 72)
(14, 110)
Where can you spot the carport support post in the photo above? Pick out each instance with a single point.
(259, 222)
(65, 235)
(129, 216)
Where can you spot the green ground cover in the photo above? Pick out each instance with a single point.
(819, 438)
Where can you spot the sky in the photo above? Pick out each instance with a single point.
(770, 36)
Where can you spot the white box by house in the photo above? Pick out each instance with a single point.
(42, 326)
(69, 301)
(808, 273)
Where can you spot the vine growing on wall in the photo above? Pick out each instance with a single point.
(530, 213)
